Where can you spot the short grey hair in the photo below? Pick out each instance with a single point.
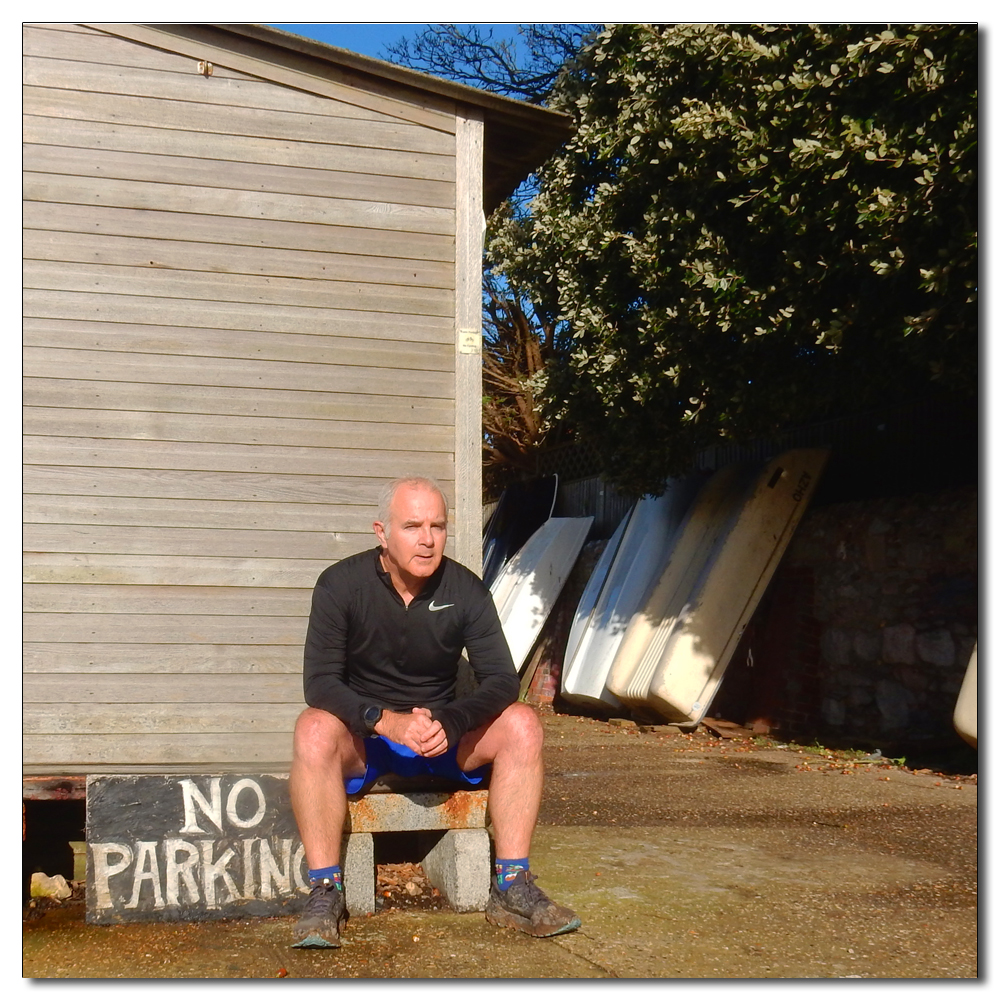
(388, 494)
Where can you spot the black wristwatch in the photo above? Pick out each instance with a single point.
(371, 716)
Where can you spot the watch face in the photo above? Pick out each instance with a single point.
(372, 715)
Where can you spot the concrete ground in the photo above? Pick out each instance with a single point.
(687, 856)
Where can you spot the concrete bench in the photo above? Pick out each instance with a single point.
(452, 843)
(193, 847)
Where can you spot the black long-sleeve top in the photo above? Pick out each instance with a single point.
(365, 647)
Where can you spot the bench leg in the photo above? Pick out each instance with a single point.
(458, 866)
(358, 865)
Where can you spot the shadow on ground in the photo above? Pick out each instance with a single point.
(688, 856)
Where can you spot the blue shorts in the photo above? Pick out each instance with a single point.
(382, 756)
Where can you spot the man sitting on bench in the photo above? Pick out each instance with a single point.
(386, 631)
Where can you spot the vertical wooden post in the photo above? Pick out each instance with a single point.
(470, 224)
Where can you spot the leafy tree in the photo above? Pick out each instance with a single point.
(754, 226)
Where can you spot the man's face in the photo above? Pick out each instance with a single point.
(418, 530)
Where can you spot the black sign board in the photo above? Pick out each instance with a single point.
(200, 847)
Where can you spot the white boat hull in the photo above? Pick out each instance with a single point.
(966, 714)
(527, 587)
(592, 592)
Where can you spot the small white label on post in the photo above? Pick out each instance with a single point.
(470, 342)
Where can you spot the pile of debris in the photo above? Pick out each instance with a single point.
(50, 891)
(405, 887)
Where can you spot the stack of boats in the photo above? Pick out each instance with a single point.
(677, 584)
(672, 592)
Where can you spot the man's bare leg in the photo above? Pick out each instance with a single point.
(512, 743)
(325, 752)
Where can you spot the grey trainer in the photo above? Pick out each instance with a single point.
(525, 907)
(322, 919)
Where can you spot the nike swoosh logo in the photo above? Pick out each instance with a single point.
(438, 607)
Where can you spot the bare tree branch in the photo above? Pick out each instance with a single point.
(525, 68)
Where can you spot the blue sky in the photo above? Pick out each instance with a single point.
(370, 39)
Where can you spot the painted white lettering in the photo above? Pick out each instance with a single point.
(248, 868)
(213, 870)
(270, 872)
(193, 797)
(299, 868)
(147, 869)
(244, 784)
(103, 869)
(179, 872)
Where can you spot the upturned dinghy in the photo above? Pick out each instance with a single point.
(966, 715)
(676, 650)
(526, 589)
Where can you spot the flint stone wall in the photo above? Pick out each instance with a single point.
(868, 627)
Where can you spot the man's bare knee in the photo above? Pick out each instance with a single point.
(321, 737)
(527, 726)
(519, 730)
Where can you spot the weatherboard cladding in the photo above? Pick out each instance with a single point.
(240, 321)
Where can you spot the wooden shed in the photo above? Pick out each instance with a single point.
(251, 297)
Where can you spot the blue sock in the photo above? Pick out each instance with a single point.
(333, 873)
(506, 870)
